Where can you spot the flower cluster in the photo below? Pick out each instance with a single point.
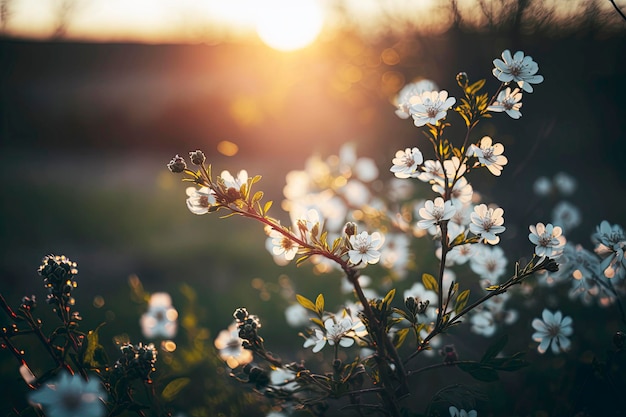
(338, 222)
(137, 361)
(59, 277)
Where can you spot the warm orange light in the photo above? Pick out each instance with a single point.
(288, 25)
(227, 148)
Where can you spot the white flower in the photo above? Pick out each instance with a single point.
(199, 201)
(483, 323)
(161, 318)
(548, 239)
(461, 191)
(455, 412)
(566, 215)
(420, 293)
(232, 182)
(347, 287)
(489, 263)
(230, 349)
(433, 171)
(454, 168)
(357, 193)
(489, 155)
(276, 414)
(282, 245)
(317, 339)
(434, 212)
(71, 396)
(519, 68)
(487, 222)
(552, 330)
(566, 184)
(283, 378)
(395, 255)
(407, 95)
(460, 254)
(406, 162)
(365, 248)
(340, 333)
(296, 315)
(430, 107)
(610, 244)
(542, 186)
(509, 102)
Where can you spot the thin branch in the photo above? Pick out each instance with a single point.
(618, 9)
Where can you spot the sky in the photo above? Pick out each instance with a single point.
(217, 20)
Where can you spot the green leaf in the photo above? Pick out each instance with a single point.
(461, 301)
(389, 297)
(458, 240)
(473, 89)
(172, 389)
(479, 371)
(258, 196)
(430, 283)
(318, 322)
(302, 259)
(319, 304)
(404, 314)
(267, 206)
(305, 302)
(400, 336)
(95, 353)
(495, 348)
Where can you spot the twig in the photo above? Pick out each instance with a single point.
(618, 9)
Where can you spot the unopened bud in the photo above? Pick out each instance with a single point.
(177, 165)
(350, 229)
(197, 157)
(240, 314)
(462, 79)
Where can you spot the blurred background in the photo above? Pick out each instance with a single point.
(97, 96)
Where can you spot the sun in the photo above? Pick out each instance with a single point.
(288, 25)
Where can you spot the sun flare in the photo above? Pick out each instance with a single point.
(288, 25)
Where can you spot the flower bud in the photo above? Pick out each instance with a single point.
(462, 79)
(411, 304)
(240, 314)
(350, 229)
(177, 165)
(197, 157)
(449, 354)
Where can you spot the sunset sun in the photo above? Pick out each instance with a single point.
(288, 25)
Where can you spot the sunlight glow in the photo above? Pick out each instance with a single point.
(288, 25)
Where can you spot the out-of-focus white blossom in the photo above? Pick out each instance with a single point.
(230, 349)
(161, 318)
